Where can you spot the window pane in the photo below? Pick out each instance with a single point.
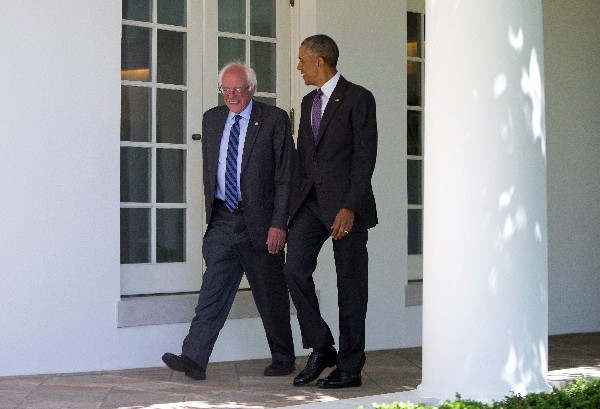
(170, 235)
(170, 177)
(171, 12)
(135, 114)
(231, 49)
(413, 35)
(135, 175)
(135, 236)
(263, 58)
(265, 100)
(232, 16)
(415, 231)
(414, 181)
(170, 57)
(413, 70)
(262, 18)
(170, 116)
(135, 53)
(414, 145)
(139, 10)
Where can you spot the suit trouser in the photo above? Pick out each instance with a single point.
(306, 236)
(228, 253)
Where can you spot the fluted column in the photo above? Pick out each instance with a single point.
(485, 299)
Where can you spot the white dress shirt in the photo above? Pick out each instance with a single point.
(244, 120)
(327, 89)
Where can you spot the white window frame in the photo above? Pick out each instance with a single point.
(415, 261)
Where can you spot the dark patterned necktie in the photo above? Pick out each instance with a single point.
(316, 114)
(231, 188)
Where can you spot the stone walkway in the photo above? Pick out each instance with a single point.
(388, 376)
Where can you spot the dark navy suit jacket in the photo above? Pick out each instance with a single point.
(340, 165)
(266, 169)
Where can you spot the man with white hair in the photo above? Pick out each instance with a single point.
(247, 151)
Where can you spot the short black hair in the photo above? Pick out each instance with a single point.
(323, 46)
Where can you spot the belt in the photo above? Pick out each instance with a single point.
(239, 208)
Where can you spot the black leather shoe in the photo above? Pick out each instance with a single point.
(280, 368)
(317, 362)
(340, 379)
(182, 363)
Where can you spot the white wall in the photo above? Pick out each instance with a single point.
(59, 183)
(572, 58)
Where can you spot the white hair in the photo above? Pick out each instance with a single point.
(250, 74)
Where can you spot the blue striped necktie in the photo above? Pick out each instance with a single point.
(231, 188)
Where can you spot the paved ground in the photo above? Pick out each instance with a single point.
(387, 377)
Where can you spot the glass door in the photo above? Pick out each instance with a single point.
(255, 32)
(172, 51)
(161, 107)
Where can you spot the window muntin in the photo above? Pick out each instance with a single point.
(415, 69)
(247, 33)
(153, 131)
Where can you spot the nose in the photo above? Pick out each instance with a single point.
(298, 67)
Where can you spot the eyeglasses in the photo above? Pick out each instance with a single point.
(237, 90)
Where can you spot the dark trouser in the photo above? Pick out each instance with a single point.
(228, 253)
(306, 236)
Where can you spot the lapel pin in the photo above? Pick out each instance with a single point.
(337, 100)
(255, 123)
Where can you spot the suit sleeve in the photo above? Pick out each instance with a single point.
(283, 146)
(208, 199)
(364, 128)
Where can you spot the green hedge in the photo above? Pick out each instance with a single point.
(580, 394)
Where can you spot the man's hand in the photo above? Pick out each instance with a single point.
(275, 240)
(342, 225)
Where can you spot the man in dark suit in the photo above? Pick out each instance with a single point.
(247, 153)
(337, 148)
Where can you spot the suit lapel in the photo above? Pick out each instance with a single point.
(306, 138)
(251, 133)
(336, 98)
(214, 143)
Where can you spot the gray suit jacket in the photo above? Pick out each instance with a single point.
(266, 169)
(341, 164)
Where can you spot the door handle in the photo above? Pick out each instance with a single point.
(197, 137)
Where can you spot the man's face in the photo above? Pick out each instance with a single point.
(308, 66)
(236, 94)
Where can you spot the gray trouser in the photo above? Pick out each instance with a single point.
(228, 253)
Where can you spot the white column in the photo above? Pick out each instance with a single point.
(485, 300)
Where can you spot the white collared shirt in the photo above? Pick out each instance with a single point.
(244, 120)
(327, 89)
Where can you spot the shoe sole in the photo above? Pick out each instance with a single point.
(350, 385)
(279, 373)
(173, 363)
(197, 375)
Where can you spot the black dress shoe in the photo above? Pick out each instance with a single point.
(317, 362)
(340, 379)
(280, 368)
(182, 363)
